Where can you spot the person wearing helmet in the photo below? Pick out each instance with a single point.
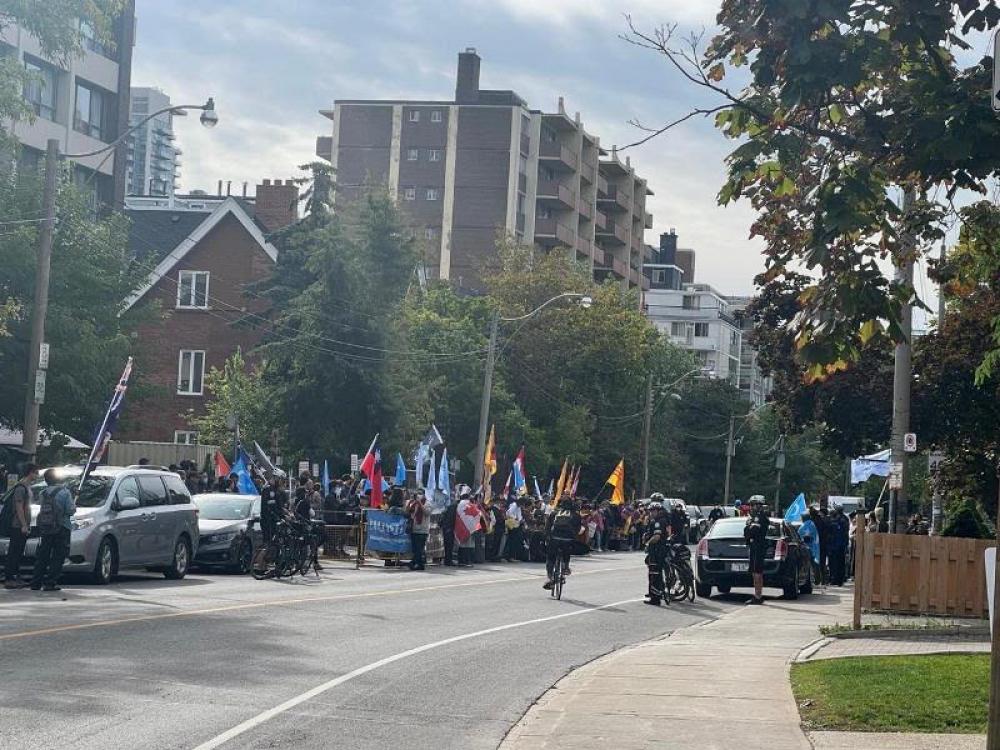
(656, 552)
(561, 530)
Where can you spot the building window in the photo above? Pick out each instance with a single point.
(190, 372)
(412, 154)
(691, 302)
(192, 289)
(414, 115)
(659, 276)
(185, 437)
(678, 330)
(430, 233)
(433, 194)
(435, 115)
(434, 155)
(89, 115)
(410, 194)
(91, 42)
(701, 330)
(543, 212)
(40, 89)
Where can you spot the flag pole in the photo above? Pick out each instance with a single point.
(99, 443)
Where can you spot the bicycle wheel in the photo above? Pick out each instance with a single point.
(676, 588)
(558, 578)
(263, 562)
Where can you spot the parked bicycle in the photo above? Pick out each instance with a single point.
(292, 549)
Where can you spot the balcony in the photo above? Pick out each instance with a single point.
(600, 259)
(522, 183)
(552, 192)
(586, 209)
(584, 247)
(647, 220)
(555, 154)
(644, 281)
(613, 234)
(620, 268)
(549, 232)
(600, 220)
(588, 171)
(525, 144)
(612, 200)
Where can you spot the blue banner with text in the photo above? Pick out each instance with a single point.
(387, 532)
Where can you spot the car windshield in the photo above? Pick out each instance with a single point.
(732, 528)
(94, 493)
(223, 509)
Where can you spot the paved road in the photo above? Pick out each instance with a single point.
(374, 658)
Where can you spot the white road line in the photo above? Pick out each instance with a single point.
(259, 719)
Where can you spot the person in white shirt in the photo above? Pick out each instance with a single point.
(515, 531)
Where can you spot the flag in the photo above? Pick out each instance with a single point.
(262, 458)
(221, 467)
(241, 467)
(489, 466)
(400, 478)
(428, 443)
(576, 482)
(371, 467)
(432, 476)
(326, 477)
(617, 480)
(443, 480)
(797, 509)
(552, 485)
(518, 474)
(538, 491)
(561, 484)
(467, 518)
(102, 436)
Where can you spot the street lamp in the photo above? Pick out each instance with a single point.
(35, 386)
(648, 422)
(585, 301)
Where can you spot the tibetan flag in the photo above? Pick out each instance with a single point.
(221, 467)
(400, 478)
(371, 467)
(489, 465)
(617, 480)
(561, 484)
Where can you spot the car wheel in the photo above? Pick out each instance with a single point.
(724, 589)
(106, 563)
(244, 558)
(791, 589)
(178, 567)
(703, 590)
(808, 587)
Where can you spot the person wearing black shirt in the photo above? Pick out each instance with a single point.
(273, 506)
(447, 524)
(656, 556)
(755, 534)
(561, 529)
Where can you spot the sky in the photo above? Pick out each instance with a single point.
(271, 65)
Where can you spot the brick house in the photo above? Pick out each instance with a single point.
(201, 251)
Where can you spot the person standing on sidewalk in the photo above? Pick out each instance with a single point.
(755, 534)
(15, 523)
(420, 527)
(55, 523)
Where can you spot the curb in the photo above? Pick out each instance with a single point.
(809, 651)
(912, 633)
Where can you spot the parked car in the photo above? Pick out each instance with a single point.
(228, 539)
(723, 562)
(126, 517)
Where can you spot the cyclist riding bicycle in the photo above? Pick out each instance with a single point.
(561, 529)
(657, 548)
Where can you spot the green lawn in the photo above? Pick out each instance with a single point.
(930, 693)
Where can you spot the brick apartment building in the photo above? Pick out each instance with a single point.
(484, 162)
(201, 252)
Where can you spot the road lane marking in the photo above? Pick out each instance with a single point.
(291, 703)
(279, 602)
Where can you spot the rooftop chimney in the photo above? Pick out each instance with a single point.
(467, 81)
(277, 205)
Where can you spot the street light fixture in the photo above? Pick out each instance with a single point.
(35, 385)
(585, 301)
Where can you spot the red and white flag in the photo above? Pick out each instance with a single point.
(221, 467)
(371, 467)
(467, 519)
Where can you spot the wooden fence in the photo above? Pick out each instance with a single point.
(923, 575)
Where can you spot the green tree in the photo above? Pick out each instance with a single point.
(237, 390)
(835, 105)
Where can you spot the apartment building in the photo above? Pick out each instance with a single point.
(83, 104)
(485, 162)
(153, 158)
(754, 386)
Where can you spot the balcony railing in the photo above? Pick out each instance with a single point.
(600, 220)
(620, 268)
(525, 144)
(614, 200)
(552, 232)
(553, 151)
(585, 208)
(613, 233)
(647, 220)
(588, 171)
(602, 184)
(552, 191)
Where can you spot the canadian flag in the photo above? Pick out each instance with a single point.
(467, 520)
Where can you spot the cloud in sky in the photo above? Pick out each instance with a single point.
(272, 66)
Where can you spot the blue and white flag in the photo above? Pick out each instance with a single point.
(796, 510)
(432, 476)
(326, 477)
(517, 473)
(400, 477)
(875, 464)
(241, 468)
(443, 480)
(102, 436)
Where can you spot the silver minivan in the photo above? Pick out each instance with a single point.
(126, 517)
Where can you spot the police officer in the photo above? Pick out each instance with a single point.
(561, 529)
(679, 524)
(755, 534)
(273, 506)
(656, 554)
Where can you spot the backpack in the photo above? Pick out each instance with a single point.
(47, 520)
(563, 526)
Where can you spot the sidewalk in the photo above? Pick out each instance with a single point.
(715, 686)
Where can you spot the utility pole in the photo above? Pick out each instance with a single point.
(646, 427)
(484, 408)
(902, 369)
(32, 398)
(779, 464)
(730, 450)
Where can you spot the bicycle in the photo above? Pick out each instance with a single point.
(680, 576)
(558, 578)
(291, 550)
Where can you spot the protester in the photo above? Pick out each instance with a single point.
(824, 540)
(495, 540)
(273, 505)
(466, 544)
(420, 527)
(55, 523)
(515, 531)
(447, 524)
(810, 535)
(837, 546)
(755, 534)
(15, 523)
(561, 529)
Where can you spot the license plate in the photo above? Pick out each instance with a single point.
(739, 567)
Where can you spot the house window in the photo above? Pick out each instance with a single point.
(678, 330)
(89, 115)
(543, 212)
(433, 194)
(701, 329)
(40, 89)
(414, 115)
(434, 155)
(659, 276)
(412, 154)
(410, 194)
(192, 289)
(185, 437)
(691, 302)
(435, 115)
(190, 372)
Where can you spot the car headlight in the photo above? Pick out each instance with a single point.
(82, 523)
(219, 538)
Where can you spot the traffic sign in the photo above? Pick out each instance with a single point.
(995, 93)
(934, 460)
(896, 476)
(910, 442)
(39, 386)
(43, 356)
(355, 464)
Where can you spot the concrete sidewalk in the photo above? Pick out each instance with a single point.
(715, 686)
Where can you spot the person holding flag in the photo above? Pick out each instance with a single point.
(489, 465)
(617, 481)
(371, 467)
